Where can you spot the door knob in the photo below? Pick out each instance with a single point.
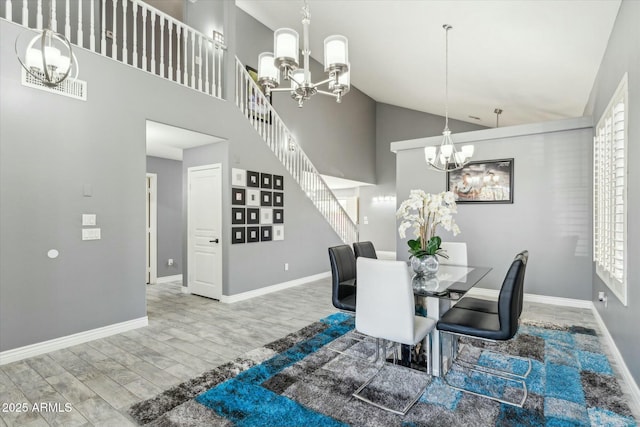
(214, 241)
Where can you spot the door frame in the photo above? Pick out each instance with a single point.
(151, 232)
(189, 225)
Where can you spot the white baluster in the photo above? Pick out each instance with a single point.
(8, 11)
(67, 20)
(125, 51)
(80, 33)
(103, 38)
(161, 46)
(54, 18)
(178, 32)
(219, 73)
(92, 36)
(193, 64)
(237, 86)
(25, 13)
(200, 64)
(144, 38)
(153, 42)
(134, 10)
(185, 64)
(114, 29)
(39, 15)
(170, 24)
(206, 66)
(214, 61)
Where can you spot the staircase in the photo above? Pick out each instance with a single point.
(141, 36)
(265, 120)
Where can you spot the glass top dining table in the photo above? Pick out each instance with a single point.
(435, 293)
(450, 282)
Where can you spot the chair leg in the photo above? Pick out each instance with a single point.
(487, 372)
(408, 405)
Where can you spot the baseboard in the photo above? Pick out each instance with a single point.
(543, 299)
(626, 375)
(70, 340)
(167, 279)
(273, 288)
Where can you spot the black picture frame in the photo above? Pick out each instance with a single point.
(253, 234)
(266, 180)
(238, 215)
(266, 198)
(253, 179)
(256, 107)
(483, 181)
(266, 233)
(278, 199)
(238, 235)
(278, 182)
(278, 216)
(253, 215)
(238, 196)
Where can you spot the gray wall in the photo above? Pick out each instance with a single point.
(550, 216)
(338, 138)
(169, 210)
(51, 146)
(623, 55)
(395, 124)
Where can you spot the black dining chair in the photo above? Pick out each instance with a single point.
(364, 249)
(343, 277)
(491, 306)
(500, 326)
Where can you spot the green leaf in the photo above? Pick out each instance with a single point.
(433, 245)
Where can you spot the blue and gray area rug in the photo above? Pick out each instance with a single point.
(300, 380)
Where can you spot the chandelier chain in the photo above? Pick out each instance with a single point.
(446, 76)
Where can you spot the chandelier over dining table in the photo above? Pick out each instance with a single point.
(447, 157)
(284, 62)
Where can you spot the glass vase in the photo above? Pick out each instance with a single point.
(427, 264)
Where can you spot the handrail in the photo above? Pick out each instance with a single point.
(134, 33)
(270, 126)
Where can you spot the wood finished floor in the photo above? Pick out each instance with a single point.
(186, 335)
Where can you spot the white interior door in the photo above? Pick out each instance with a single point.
(204, 224)
(152, 228)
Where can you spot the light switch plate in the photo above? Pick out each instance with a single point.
(91, 234)
(88, 219)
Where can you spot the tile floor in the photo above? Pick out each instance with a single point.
(186, 335)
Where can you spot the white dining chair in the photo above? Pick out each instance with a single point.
(457, 252)
(385, 310)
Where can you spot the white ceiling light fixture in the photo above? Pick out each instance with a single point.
(447, 157)
(54, 61)
(284, 61)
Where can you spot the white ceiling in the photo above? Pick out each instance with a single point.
(168, 142)
(535, 59)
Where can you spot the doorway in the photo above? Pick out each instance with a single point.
(152, 228)
(204, 225)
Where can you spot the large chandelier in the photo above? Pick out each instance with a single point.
(48, 57)
(447, 157)
(284, 61)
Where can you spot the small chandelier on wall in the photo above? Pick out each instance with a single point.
(447, 157)
(283, 62)
(48, 56)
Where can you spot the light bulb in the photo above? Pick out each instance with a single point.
(429, 153)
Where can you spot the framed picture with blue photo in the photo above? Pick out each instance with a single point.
(485, 181)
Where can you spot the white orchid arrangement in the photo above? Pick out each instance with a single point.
(424, 212)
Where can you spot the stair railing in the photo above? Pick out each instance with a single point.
(266, 121)
(132, 32)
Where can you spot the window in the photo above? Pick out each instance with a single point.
(610, 194)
